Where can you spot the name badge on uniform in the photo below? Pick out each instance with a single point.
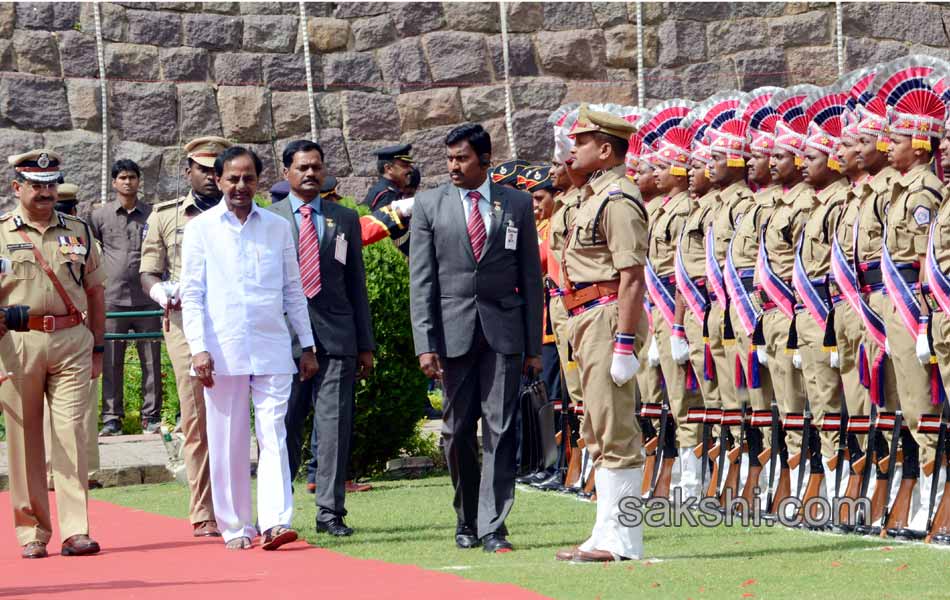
(511, 237)
(339, 253)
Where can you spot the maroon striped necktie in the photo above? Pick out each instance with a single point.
(309, 253)
(476, 226)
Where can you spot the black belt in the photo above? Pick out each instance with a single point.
(873, 276)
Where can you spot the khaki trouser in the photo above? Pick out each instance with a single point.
(786, 379)
(849, 331)
(675, 376)
(572, 378)
(47, 369)
(610, 429)
(941, 336)
(191, 399)
(724, 355)
(879, 303)
(691, 434)
(913, 384)
(92, 434)
(650, 379)
(822, 382)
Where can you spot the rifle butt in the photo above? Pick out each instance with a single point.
(898, 516)
(941, 520)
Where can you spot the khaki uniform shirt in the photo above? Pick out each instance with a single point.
(665, 231)
(621, 233)
(694, 234)
(914, 202)
(844, 230)
(820, 227)
(734, 201)
(784, 226)
(745, 248)
(874, 192)
(161, 248)
(942, 238)
(121, 232)
(69, 250)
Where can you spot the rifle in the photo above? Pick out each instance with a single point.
(647, 413)
(939, 531)
(863, 520)
(842, 443)
(660, 446)
(938, 461)
(775, 452)
(891, 466)
(698, 415)
(735, 460)
(805, 451)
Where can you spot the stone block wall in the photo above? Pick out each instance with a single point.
(387, 72)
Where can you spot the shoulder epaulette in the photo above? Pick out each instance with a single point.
(167, 204)
(927, 188)
(73, 217)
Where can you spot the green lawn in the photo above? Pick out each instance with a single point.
(411, 522)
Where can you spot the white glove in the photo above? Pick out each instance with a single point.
(923, 345)
(623, 367)
(679, 347)
(159, 294)
(404, 206)
(834, 360)
(797, 360)
(762, 355)
(6, 267)
(653, 354)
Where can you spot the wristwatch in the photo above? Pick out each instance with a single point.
(310, 349)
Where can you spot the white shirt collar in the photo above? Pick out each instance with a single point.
(484, 189)
(224, 213)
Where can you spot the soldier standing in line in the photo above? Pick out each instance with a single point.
(916, 115)
(160, 270)
(815, 321)
(745, 306)
(603, 263)
(52, 357)
(775, 262)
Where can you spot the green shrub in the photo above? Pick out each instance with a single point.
(391, 402)
(132, 385)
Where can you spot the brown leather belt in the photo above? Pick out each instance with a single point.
(593, 291)
(50, 323)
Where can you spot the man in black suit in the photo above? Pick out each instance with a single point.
(334, 281)
(476, 298)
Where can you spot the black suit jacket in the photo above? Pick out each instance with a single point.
(339, 314)
(449, 288)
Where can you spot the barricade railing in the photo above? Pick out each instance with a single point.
(134, 314)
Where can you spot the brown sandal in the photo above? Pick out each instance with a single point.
(277, 536)
(241, 543)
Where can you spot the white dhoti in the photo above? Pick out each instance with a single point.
(229, 441)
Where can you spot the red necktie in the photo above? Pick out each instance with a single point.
(476, 226)
(309, 253)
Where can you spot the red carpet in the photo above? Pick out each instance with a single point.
(147, 556)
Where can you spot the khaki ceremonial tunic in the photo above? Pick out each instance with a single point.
(849, 327)
(781, 233)
(692, 249)
(611, 429)
(161, 253)
(734, 201)
(561, 220)
(875, 193)
(650, 384)
(664, 233)
(822, 382)
(56, 364)
(940, 320)
(745, 251)
(915, 198)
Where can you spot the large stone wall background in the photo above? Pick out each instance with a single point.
(388, 72)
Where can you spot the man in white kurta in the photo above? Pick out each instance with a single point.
(239, 278)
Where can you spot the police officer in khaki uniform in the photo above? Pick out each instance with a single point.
(55, 271)
(822, 172)
(160, 268)
(66, 204)
(603, 260)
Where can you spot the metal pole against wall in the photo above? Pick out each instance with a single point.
(100, 57)
(839, 40)
(509, 107)
(305, 36)
(641, 94)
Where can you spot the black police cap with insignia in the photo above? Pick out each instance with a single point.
(507, 172)
(538, 178)
(329, 187)
(401, 152)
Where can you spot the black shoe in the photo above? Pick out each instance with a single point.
(465, 537)
(495, 543)
(551, 484)
(335, 526)
(111, 427)
(940, 538)
(909, 535)
(532, 478)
